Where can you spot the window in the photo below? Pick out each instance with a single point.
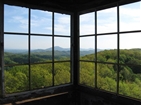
(87, 50)
(106, 20)
(114, 65)
(87, 24)
(62, 24)
(37, 49)
(41, 22)
(107, 59)
(130, 50)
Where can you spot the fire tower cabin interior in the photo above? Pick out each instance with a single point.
(70, 52)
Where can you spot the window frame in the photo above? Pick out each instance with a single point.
(66, 86)
(118, 32)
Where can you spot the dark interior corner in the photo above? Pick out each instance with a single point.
(70, 92)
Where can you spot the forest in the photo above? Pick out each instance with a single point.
(129, 70)
(17, 75)
(17, 71)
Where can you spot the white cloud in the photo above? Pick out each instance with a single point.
(130, 19)
(61, 29)
(22, 21)
(14, 10)
(64, 20)
(87, 24)
(48, 28)
(62, 24)
(129, 12)
(86, 29)
(15, 19)
(41, 22)
(87, 18)
(107, 20)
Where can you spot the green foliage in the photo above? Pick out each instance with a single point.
(17, 77)
(62, 73)
(35, 57)
(129, 75)
(87, 74)
(41, 76)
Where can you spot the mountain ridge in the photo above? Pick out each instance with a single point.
(56, 48)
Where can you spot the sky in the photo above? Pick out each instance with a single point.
(130, 19)
(16, 20)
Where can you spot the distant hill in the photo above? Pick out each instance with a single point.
(16, 50)
(58, 51)
(58, 48)
(84, 52)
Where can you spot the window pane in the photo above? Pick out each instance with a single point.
(130, 48)
(41, 22)
(107, 20)
(15, 49)
(87, 74)
(130, 81)
(87, 48)
(62, 48)
(107, 48)
(41, 49)
(62, 24)
(130, 18)
(106, 77)
(16, 79)
(87, 24)
(15, 19)
(41, 75)
(62, 73)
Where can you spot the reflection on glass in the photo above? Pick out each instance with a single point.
(87, 74)
(41, 49)
(107, 20)
(62, 24)
(107, 48)
(106, 77)
(41, 22)
(130, 48)
(62, 48)
(87, 47)
(15, 49)
(62, 73)
(130, 18)
(41, 76)
(15, 19)
(16, 79)
(130, 81)
(87, 24)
